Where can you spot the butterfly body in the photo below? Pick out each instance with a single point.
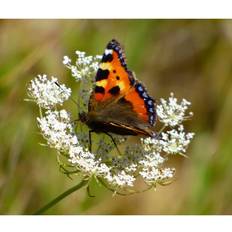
(119, 103)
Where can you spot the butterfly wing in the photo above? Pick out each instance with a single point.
(118, 99)
(119, 117)
(113, 77)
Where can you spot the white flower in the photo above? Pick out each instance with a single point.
(167, 173)
(153, 174)
(48, 93)
(85, 66)
(121, 179)
(150, 167)
(80, 54)
(83, 160)
(144, 159)
(58, 130)
(66, 60)
(175, 141)
(172, 113)
(83, 70)
(151, 144)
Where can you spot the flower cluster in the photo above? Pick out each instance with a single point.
(57, 130)
(84, 65)
(118, 170)
(175, 141)
(171, 113)
(83, 71)
(48, 93)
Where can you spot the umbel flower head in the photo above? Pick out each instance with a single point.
(143, 160)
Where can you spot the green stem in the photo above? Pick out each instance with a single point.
(61, 196)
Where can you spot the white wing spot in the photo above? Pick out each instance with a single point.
(108, 51)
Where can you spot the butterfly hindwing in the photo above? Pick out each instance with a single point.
(119, 117)
(142, 103)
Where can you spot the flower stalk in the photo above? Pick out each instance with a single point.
(56, 200)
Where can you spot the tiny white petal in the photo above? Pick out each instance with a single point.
(66, 60)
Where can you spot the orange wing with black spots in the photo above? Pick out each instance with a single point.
(115, 81)
(113, 77)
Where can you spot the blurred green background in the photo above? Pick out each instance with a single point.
(192, 58)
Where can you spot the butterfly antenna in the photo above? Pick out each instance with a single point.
(74, 101)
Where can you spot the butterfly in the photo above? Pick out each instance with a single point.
(119, 103)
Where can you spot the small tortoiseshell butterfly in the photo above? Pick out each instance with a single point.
(119, 103)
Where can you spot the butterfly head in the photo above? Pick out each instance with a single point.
(89, 118)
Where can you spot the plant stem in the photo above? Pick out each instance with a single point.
(61, 196)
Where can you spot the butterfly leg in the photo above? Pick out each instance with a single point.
(113, 142)
(90, 140)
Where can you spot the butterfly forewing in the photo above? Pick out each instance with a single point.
(112, 77)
